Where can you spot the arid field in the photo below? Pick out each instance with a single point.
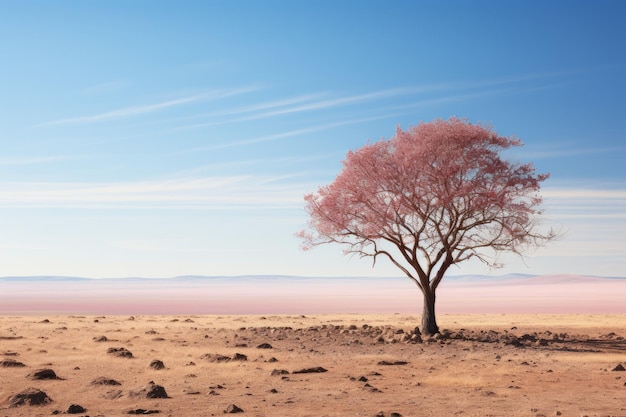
(313, 365)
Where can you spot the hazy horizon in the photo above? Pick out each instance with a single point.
(557, 294)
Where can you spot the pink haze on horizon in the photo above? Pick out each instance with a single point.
(564, 294)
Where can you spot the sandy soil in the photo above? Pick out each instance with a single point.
(366, 365)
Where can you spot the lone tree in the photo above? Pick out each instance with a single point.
(430, 197)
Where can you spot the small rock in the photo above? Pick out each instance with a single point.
(315, 370)
(43, 374)
(619, 368)
(232, 408)
(264, 346)
(142, 411)
(240, 357)
(157, 364)
(156, 391)
(75, 409)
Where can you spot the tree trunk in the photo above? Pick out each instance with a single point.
(429, 322)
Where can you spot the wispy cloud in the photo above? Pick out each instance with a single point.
(585, 203)
(282, 135)
(387, 113)
(272, 162)
(126, 112)
(452, 92)
(241, 191)
(269, 105)
(236, 111)
(305, 103)
(360, 98)
(586, 193)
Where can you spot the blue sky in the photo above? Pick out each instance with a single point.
(155, 138)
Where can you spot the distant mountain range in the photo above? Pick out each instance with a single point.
(452, 278)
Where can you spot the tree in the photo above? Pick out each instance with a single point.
(432, 196)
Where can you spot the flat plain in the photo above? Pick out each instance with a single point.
(313, 365)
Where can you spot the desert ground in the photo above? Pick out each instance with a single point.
(313, 365)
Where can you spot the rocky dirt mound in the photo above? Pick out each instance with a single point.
(314, 370)
(151, 390)
(104, 381)
(11, 363)
(545, 339)
(328, 334)
(120, 352)
(217, 358)
(30, 396)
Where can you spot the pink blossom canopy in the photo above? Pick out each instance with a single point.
(439, 192)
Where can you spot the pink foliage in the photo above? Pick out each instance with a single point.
(440, 193)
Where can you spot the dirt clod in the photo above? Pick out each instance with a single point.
(232, 409)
